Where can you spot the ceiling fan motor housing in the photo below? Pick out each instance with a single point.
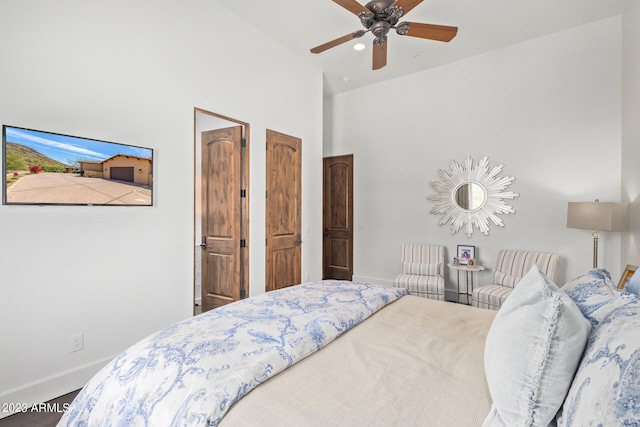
(380, 28)
(379, 6)
(383, 16)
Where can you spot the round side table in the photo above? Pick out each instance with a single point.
(469, 271)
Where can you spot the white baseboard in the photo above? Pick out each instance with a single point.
(49, 388)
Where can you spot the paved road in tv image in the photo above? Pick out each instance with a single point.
(67, 188)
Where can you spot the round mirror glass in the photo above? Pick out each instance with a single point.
(470, 196)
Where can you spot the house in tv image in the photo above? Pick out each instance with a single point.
(120, 167)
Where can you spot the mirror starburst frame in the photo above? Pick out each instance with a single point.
(479, 174)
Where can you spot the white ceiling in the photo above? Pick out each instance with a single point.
(484, 25)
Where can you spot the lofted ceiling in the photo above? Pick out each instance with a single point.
(484, 25)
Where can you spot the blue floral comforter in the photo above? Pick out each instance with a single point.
(190, 373)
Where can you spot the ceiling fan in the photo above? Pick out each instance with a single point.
(380, 16)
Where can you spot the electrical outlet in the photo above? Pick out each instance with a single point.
(76, 343)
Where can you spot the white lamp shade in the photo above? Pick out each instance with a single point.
(601, 216)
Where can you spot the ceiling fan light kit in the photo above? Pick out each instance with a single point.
(380, 16)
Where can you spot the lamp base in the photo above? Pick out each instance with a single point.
(596, 236)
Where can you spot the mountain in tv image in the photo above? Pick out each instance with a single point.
(20, 157)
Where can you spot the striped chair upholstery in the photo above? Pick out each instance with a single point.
(511, 265)
(422, 269)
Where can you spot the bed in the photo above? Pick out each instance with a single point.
(354, 354)
(381, 373)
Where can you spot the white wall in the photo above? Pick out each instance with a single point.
(132, 72)
(631, 129)
(549, 109)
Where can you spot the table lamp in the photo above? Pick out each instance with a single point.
(597, 216)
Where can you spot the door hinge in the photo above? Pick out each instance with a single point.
(203, 245)
(243, 142)
(266, 194)
(243, 294)
(243, 243)
(265, 242)
(243, 193)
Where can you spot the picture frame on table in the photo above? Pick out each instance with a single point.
(628, 272)
(465, 252)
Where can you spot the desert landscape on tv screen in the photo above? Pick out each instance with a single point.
(45, 168)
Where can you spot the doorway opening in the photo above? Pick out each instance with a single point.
(221, 210)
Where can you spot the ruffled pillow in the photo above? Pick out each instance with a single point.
(531, 353)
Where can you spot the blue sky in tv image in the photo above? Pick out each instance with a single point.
(67, 149)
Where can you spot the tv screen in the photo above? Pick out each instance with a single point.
(46, 168)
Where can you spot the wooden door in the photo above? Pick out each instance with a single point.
(283, 211)
(337, 218)
(222, 199)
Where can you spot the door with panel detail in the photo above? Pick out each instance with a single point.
(283, 211)
(337, 218)
(222, 216)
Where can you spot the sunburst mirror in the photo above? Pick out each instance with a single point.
(471, 196)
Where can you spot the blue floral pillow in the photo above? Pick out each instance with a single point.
(606, 389)
(596, 295)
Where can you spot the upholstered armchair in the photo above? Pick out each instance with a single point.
(422, 269)
(511, 265)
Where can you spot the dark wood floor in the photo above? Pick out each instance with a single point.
(39, 417)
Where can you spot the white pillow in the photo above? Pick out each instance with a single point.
(532, 351)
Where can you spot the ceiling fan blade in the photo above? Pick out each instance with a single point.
(352, 6)
(379, 55)
(407, 5)
(336, 42)
(441, 33)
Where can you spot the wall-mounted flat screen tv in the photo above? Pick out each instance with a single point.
(46, 168)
